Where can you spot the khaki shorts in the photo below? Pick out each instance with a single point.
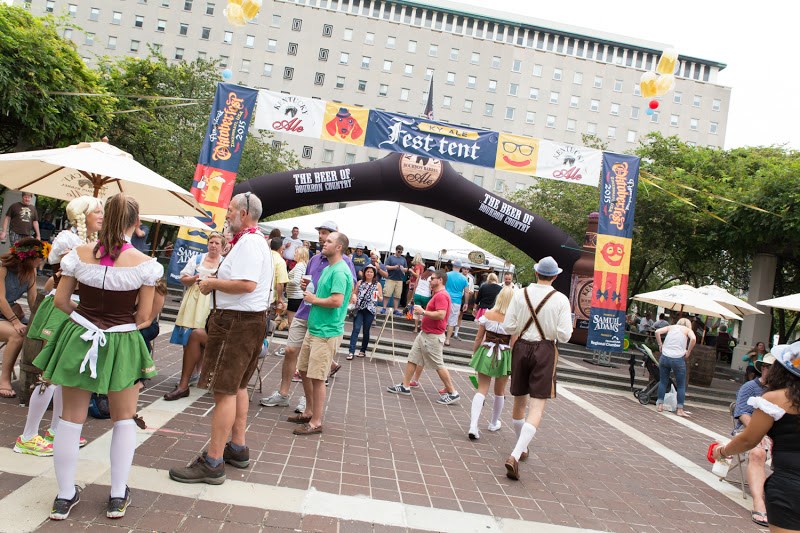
(297, 332)
(235, 339)
(455, 310)
(392, 287)
(316, 355)
(427, 350)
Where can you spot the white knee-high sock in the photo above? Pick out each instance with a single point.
(123, 444)
(58, 408)
(525, 438)
(477, 405)
(65, 456)
(497, 409)
(518, 426)
(37, 405)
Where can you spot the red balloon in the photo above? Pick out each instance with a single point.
(653, 104)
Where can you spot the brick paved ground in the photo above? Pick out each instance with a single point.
(585, 471)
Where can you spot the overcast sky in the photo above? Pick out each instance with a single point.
(755, 41)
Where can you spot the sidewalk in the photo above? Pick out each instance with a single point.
(390, 463)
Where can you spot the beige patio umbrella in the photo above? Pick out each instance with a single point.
(791, 302)
(729, 301)
(686, 299)
(95, 169)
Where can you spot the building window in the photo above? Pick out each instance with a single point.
(319, 78)
(574, 101)
(472, 82)
(383, 89)
(697, 100)
(349, 158)
(288, 73)
(307, 151)
(223, 61)
(201, 55)
(454, 54)
(513, 89)
(404, 94)
(551, 121)
(89, 39)
(537, 71)
(495, 61)
(267, 70)
(387, 65)
(631, 136)
(451, 78)
(365, 61)
(245, 65)
(369, 38)
(534, 93)
(391, 42)
(530, 117)
(591, 128)
(433, 51)
(249, 41)
(210, 8)
(594, 105)
(577, 78)
(228, 37)
(94, 14)
(677, 97)
(408, 70)
(571, 124)
(598, 82)
(447, 101)
(179, 53)
(138, 21)
(612, 132)
(73, 9)
(297, 24)
(637, 91)
(340, 82)
(412, 46)
(694, 124)
(112, 42)
(475, 58)
(615, 109)
(654, 117)
(275, 22)
(344, 58)
(450, 225)
(134, 46)
(557, 74)
(510, 113)
(362, 86)
(183, 29)
(516, 65)
(499, 185)
(205, 34)
(327, 30)
(635, 113)
(617, 86)
(348, 34)
(553, 97)
(716, 105)
(428, 74)
(477, 180)
(327, 156)
(492, 86)
(187, 5)
(468, 106)
(488, 110)
(673, 120)
(161, 25)
(49, 6)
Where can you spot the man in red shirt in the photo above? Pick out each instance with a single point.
(429, 344)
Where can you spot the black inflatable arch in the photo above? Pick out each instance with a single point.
(421, 181)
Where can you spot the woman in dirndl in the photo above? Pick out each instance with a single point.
(99, 350)
(85, 215)
(491, 359)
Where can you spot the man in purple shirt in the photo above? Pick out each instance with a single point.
(297, 331)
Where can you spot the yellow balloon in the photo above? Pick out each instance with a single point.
(235, 2)
(251, 8)
(667, 61)
(647, 84)
(235, 14)
(664, 84)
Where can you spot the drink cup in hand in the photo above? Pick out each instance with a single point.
(305, 281)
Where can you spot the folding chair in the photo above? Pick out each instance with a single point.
(739, 458)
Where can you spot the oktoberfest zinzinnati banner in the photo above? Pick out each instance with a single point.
(612, 258)
(334, 121)
(215, 174)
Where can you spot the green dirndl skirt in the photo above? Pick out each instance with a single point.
(123, 360)
(47, 320)
(491, 366)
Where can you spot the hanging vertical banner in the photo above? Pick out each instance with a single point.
(215, 174)
(613, 253)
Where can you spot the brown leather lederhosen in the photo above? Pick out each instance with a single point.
(533, 363)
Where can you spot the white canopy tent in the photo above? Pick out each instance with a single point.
(372, 225)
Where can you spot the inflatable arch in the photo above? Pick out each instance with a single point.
(421, 181)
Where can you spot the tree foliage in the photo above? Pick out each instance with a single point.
(34, 62)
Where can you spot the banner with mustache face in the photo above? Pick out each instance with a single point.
(423, 181)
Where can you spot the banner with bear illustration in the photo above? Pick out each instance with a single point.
(613, 253)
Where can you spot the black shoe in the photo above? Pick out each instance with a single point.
(238, 459)
(62, 506)
(117, 506)
(199, 472)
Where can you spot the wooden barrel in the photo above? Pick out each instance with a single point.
(701, 365)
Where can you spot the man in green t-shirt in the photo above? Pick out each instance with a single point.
(325, 331)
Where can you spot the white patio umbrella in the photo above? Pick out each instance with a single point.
(686, 299)
(729, 301)
(791, 302)
(94, 169)
(170, 220)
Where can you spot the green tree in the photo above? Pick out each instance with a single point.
(35, 62)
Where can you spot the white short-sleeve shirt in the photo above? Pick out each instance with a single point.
(250, 259)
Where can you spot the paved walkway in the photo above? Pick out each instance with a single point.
(390, 463)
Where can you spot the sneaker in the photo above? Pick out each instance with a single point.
(276, 399)
(495, 427)
(34, 446)
(193, 379)
(474, 434)
(117, 506)
(238, 459)
(50, 435)
(199, 472)
(399, 389)
(447, 399)
(62, 506)
(296, 378)
(281, 351)
(414, 385)
(301, 405)
(383, 311)
(398, 313)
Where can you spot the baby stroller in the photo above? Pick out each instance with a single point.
(650, 391)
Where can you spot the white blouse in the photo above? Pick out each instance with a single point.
(62, 244)
(111, 278)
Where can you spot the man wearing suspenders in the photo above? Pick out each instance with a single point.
(538, 318)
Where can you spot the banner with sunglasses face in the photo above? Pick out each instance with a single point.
(215, 174)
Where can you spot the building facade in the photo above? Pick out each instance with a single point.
(490, 69)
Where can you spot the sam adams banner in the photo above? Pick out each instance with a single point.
(613, 253)
(215, 174)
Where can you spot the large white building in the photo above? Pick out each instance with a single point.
(491, 70)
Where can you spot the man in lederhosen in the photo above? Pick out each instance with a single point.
(540, 317)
